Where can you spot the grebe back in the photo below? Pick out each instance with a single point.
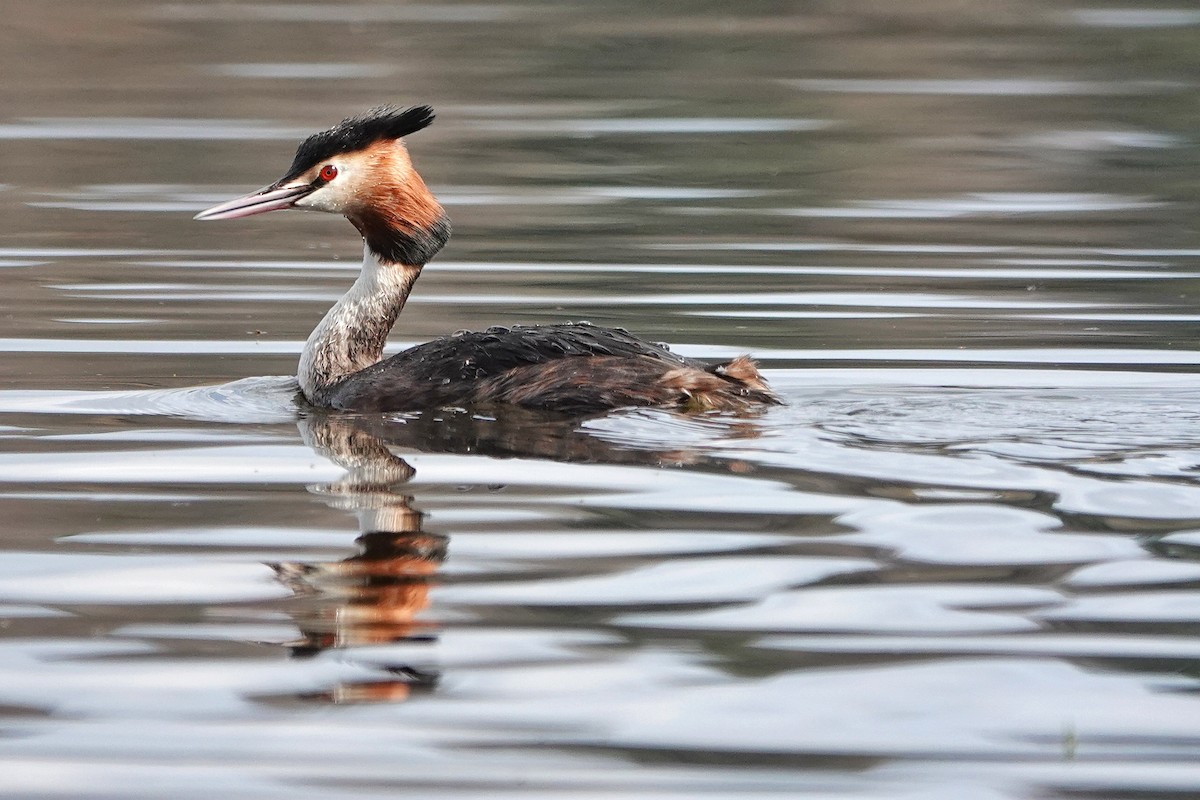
(360, 169)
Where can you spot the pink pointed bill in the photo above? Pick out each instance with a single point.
(271, 198)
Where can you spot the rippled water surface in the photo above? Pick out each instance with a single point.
(962, 561)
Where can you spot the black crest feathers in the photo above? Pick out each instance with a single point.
(356, 133)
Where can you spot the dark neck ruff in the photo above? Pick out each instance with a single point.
(415, 245)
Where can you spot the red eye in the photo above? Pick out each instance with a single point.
(328, 172)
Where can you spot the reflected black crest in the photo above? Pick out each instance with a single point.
(355, 133)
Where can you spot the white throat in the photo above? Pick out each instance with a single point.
(352, 335)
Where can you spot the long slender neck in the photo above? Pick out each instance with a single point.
(352, 335)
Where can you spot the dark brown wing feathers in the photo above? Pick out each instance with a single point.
(577, 368)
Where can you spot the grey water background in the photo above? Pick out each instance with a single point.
(962, 561)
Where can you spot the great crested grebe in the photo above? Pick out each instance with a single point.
(360, 168)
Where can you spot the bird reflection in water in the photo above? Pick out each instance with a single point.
(377, 596)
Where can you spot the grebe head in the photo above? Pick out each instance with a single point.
(360, 169)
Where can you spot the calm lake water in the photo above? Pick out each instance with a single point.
(963, 561)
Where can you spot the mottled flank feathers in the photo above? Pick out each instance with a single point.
(599, 383)
(731, 386)
(574, 368)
